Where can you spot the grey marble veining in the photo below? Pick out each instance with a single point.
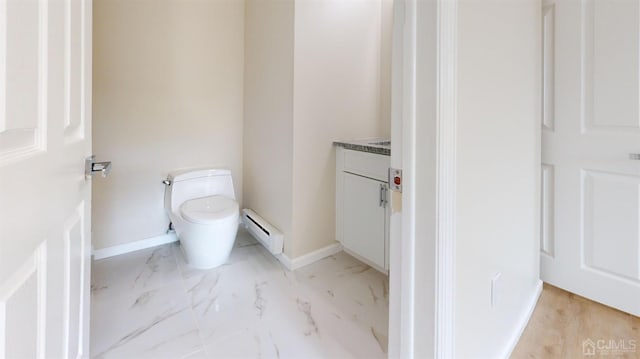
(152, 304)
(373, 145)
(156, 323)
(135, 272)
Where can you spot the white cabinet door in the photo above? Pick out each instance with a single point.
(591, 185)
(45, 136)
(364, 218)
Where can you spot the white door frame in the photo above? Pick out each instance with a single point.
(424, 82)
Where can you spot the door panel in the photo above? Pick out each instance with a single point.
(547, 242)
(364, 218)
(45, 135)
(22, 309)
(22, 119)
(591, 188)
(611, 212)
(611, 55)
(75, 246)
(75, 58)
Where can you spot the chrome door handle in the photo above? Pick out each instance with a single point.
(92, 167)
(634, 156)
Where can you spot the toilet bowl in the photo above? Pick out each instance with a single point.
(202, 207)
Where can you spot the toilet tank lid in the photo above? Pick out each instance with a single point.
(191, 173)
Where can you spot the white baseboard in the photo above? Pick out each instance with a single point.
(134, 246)
(299, 262)
(366, 261)
(524, 320)
(286, 261)
(290, 264)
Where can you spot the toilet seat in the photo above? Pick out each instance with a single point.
(207, 210)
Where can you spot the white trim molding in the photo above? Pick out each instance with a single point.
(305, 260)
(134, 246)
(290, 264)
(524, 320)
(406, 263)
(424, 100)
(446, 117)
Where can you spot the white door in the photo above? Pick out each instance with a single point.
(45, 135)
(364, 203)
(591, 129)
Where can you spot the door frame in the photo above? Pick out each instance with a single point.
(423, 223)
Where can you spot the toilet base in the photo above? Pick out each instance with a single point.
(206, 247)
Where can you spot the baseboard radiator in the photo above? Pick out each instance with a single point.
(269, 236)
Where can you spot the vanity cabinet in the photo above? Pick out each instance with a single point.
(362, 209)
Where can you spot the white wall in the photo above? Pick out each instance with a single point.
(268, 112)
(168, 93)
(337, 95)
(498, 170)
(316, 71)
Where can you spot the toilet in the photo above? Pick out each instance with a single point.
(202, 207)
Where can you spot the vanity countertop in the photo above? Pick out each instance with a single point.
(379, 146)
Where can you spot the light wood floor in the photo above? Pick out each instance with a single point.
(563, 321)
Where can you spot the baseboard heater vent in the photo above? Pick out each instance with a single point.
(269, 236)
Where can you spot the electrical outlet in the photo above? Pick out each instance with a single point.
(496, 289)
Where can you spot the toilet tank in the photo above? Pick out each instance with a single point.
(195, 183)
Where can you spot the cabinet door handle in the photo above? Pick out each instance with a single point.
(386, 195)
(383, 195)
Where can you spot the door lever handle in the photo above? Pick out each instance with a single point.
(92, 167)
(634, 156)
(103, 167)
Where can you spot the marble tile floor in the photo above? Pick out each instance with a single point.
(150, 303)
